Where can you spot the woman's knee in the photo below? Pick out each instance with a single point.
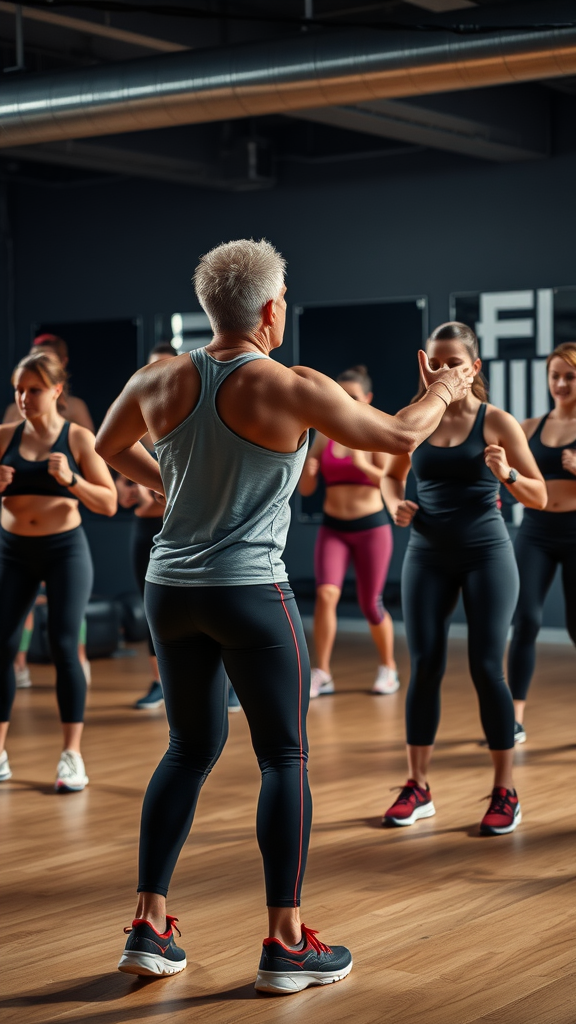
(327, 595)
(527, 623)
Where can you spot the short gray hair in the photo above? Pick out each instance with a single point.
(234, 280)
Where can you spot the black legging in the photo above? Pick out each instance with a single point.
(143, 532)
(431, 581)
(63, 561)
(545, 540)
(257, 633)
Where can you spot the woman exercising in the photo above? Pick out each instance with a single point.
(217, 592)
(47, 466)
(355, 527)
(459, 542)
(547, 538)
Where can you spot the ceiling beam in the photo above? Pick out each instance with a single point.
(434, 124)
(93, 28)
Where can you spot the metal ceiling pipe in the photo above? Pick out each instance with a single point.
(280, 76)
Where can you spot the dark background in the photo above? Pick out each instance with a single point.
(105, 248)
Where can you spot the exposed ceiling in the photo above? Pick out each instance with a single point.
(501, 123)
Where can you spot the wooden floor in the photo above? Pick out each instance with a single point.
(446, 927)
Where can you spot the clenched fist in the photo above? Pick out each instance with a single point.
(6, 477)
(495, 459)
(59, 468)
(405, 513)
(569, 460)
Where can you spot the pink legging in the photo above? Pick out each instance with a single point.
(370, 551)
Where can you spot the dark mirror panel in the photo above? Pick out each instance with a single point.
(383, 335)
(103, 355)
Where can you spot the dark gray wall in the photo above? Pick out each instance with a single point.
(427, 224)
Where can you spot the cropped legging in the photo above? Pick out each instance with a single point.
(545, 541)
(370, 549)
(143, 532)
(431, 582)
(63, 561)
(255, 633)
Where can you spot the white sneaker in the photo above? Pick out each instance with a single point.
(23, 680)
(70, 774)
(386, 680)
(87, 670)
(5, 772)
(320, 683)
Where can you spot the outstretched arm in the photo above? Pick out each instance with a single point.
(325, 405)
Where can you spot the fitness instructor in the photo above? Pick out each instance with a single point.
(229, 426)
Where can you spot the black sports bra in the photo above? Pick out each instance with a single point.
(550, 459)
(33, 477)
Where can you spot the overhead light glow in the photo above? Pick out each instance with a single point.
(176, 341)
(176, 323)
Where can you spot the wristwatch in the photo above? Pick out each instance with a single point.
(74, 480)
(512, 477)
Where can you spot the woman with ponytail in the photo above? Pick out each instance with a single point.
(355, 528)
(48, 468)
(459, 543)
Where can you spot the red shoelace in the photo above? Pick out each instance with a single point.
(310, 936)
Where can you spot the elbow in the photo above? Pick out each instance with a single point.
(543, 498)
(110, 506)
(404, 442)
(539, 500)
(100, 447)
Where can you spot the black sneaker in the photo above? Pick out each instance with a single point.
(151, 954)
(519, 733)
(284, 970)
(153, 699)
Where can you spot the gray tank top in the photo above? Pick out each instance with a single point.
(227, 500)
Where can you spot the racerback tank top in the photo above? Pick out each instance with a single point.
(227, 499)
(456, 493)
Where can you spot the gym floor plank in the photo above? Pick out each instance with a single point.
(446, 926)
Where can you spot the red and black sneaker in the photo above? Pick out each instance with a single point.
(150, 953)
(284, 970)
(504, 813)
(413, 803)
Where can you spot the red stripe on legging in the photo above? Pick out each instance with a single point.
(288, 616)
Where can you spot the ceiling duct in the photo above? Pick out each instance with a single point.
(280, 76)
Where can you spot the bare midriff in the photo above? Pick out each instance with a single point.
(352, 501)
(561, 495)
(39, 515)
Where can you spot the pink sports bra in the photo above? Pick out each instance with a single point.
(341, 471)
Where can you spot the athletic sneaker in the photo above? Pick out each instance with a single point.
(23, 680)
(153, 699)
(504, 813)
(70, 774)
(386, 680)
(320, 683)
(149, 953)
(234, 704)
(284, 970)
(519, 733)
(5, 772)
(413, 803)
